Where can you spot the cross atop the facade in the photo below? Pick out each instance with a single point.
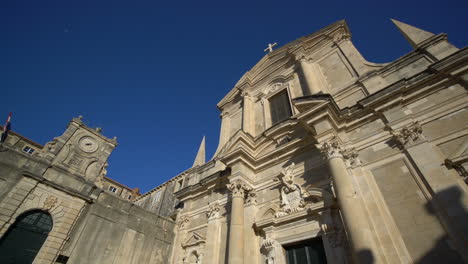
(270, 47)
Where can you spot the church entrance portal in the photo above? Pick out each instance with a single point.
(25, 237)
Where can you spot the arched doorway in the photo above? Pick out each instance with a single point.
(25, 237)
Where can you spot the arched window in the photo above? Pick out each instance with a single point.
(25, 237)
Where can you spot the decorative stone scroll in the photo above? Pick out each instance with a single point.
(213, 210)
(408, 135)
(292, 197)
(238, 188)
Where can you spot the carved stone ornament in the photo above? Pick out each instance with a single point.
(183, 221)
(269, 248)
(102, 174)
(292, 196)
(276, 87)
(408, 135)
(51, 145)
(50, 202)
(351, 157)
(213, 211)
(251, 198)
(283, 140)
(238, 188)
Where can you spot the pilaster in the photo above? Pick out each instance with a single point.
(449, 195)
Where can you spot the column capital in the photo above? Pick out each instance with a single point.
(408, 136)
(331, 148)
(238, 188)
(334, 149)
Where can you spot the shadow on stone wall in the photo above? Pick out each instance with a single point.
(444, 249)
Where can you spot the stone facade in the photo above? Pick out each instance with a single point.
(63, 179)
(316, 144)
(371, 158)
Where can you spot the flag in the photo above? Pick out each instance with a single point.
(6, 128)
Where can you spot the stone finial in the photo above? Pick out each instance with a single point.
(238, 188)
(408, 135)
(213, 210)
(200, 158)
(98, 129)
(415, 36)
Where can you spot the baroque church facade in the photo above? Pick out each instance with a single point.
(323, 157)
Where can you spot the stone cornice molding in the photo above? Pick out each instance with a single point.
(238, 188)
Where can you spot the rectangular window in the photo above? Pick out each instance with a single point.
(306, 252)
(280, 109)
(28, 150)
(112, 189)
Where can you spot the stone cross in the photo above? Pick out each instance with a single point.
(270, 47)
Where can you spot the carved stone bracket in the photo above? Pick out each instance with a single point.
(213, 211)
(408, 135)
(238, 188)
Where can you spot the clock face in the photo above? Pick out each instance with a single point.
(88, 144)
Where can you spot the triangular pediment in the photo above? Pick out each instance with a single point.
(193, 239)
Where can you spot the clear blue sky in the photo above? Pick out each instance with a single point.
(152, 72)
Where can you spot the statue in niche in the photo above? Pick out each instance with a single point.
(292, 198)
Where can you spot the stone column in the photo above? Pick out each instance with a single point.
(350, 204)
(236, 225)
(309, 79)
(213, 234)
